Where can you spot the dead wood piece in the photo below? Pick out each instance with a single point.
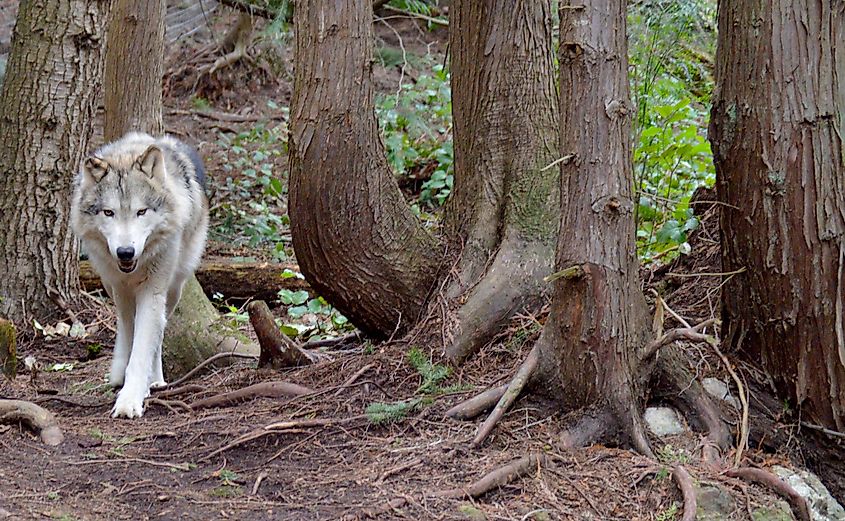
(277, 350)
(35, 417)
(234, 279)
(312, 422)
(514, 390)
(475, 406)
(259, 390)
(351, 380)
(684, 482)
(8, 350)
(774, 483)
(498, 477)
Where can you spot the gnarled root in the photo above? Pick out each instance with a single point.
(35, 417)
(476, 405)
(259, 390)
(682, 478)
(675, 383)
(512, 283)
(766, 478)
(510, 395)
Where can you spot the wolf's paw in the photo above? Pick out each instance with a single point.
(161, 384)
(128, 404)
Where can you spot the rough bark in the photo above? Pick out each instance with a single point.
(598, 323)
(777, 125)
(134, 63)
(47, 106)
(356, 240)
(135, 59)
(501, 217)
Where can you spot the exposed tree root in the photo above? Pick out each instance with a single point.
(35, 417)
(766, 478)
(512, 283)
(238, 40)
(675, 383)
(515, 388)
(684, 482)
(277, 350)
(259, 390)
(496, 478)
(476, 405)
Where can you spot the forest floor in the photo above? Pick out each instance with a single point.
(221, 462)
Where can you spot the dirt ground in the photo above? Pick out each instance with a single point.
(331, 461)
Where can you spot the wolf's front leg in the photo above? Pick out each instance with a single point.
(149, 331)
(125, 304)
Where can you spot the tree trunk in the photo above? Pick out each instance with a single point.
(47, 106)
(134, 68)
(502, 214)
(777, 125)
(356, 240)
(598, 323)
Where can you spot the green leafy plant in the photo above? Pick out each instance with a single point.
(252, 211)
(416, 125)
(670, 45)
(668, 514)
(432, 375)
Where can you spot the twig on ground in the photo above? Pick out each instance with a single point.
(170, 404)
(684, 482)
(167, 393)
(35, 417)
(261, 477)
(766, 478)
(259, 390)
(184, 467)
(514, 389)
(210, 360)
(349, 381)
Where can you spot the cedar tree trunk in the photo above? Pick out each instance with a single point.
(356, 240)
(47, 106)
(777, 126)
(502, 214)
(588, 351)
(133, 100)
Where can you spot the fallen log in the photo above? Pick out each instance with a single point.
(233, 278)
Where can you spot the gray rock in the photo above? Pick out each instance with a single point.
(823, 507)
(663, 421)
(714, 504)
(720, 390)
(780, 511)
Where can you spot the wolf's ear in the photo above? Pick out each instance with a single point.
(152, 163)
(95, 169)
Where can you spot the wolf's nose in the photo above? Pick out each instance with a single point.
(125, 253)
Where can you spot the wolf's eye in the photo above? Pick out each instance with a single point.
(142, 212)
(108, 213)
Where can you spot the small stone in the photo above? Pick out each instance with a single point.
(472, 512)
(720, 390)
(663, 421)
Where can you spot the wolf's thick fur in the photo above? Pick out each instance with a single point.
(140, 211)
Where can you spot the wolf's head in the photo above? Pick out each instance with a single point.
(123, 202)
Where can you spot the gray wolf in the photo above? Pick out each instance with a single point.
(140, 211)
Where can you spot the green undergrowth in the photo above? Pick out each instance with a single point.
(432, 377)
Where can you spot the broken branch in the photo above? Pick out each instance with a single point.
(277, 350)
(35, 417)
